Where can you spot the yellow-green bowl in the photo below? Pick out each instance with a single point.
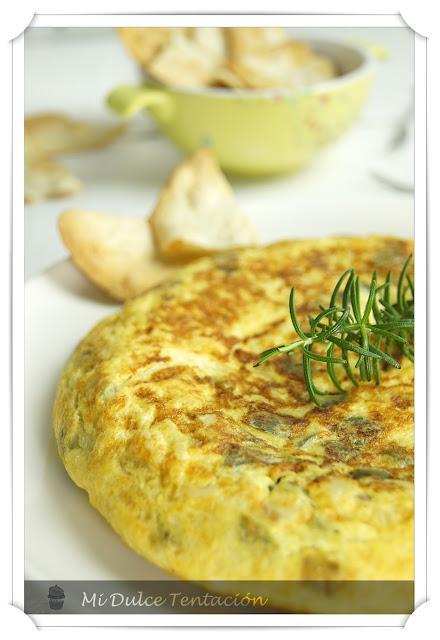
(258, 132)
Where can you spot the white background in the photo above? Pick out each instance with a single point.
(72, 70)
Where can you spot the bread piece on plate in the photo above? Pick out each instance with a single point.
(47, 179)
(116, 253)
(197, 213)
(52, 134)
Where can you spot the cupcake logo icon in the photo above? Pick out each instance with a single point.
(56, 597)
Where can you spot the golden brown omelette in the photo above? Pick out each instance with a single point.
(215, 470)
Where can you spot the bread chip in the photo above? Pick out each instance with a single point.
(243, 41)
(193, 44)
(52, 134)
(197, 213)
(292, 64)
(144, 42)
(211, 39)
(237, 57)
(318, 69)
(183, 63)
(47, 179)
(115, 253)
(226, 77)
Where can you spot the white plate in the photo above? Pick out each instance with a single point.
(65, 538)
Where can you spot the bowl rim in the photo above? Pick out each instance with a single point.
(366, 66)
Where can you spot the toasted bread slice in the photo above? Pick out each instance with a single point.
(237, 57)
(183, 63)
(197, 213)
(115, 253)
(47, 179)
(144, 42)
(212, 39)
(242, 41)
(292, 64)
(53, 134)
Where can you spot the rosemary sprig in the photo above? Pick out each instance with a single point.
(377, 333)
